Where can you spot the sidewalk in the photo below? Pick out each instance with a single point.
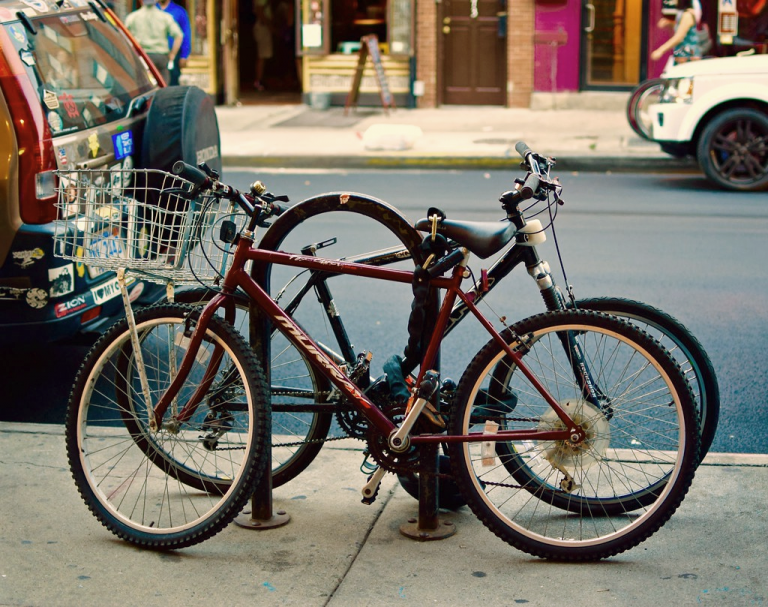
(296, 136)
(336, 551)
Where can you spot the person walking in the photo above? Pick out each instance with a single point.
(684, 43)
(179, 14)
(152, 28)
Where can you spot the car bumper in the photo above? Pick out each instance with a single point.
(667, 119)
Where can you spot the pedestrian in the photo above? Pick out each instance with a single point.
(152, 28)
(262, 33)
(179, 14)
(684, 43)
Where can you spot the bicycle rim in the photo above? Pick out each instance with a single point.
(164, 489)
(591, 500)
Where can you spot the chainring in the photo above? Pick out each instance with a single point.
(378, 444)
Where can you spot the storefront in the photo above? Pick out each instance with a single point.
(442, 52)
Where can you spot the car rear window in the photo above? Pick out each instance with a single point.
(85, 70)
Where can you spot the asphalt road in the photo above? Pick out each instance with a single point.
(669, 240)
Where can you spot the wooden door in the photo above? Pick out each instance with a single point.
(474, 52)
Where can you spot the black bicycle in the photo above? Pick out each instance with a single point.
(307, 412)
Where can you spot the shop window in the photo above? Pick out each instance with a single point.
(336, 26)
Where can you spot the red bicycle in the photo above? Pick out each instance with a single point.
(170, 413)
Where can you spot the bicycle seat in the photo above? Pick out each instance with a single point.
(482, 238)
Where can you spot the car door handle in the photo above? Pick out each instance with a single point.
(96, 162)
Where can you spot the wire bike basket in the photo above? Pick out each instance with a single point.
(142, 220)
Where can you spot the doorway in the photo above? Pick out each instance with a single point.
(280, 77)
(474, 52)
(612, 44)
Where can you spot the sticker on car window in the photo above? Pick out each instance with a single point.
(18, 32)
(38, 5)
(50, 100)
(62, 280)
(70, 107)
(28, 58)
(123, 144)
(55, 122)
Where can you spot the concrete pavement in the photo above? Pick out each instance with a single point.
(336, 551)
(591, 135)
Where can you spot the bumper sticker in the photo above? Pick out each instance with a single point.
(106, 291)
(123, 144)
(36, 298)
(62, 280)
(69, 307)
(24, 259)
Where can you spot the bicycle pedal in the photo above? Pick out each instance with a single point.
(433, 416)
(371, 489)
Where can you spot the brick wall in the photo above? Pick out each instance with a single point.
(426, 51)
(520, 28)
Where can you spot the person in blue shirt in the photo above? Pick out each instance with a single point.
(179, 15)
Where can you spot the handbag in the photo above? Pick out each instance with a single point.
(705, 40)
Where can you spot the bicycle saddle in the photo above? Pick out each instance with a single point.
(482, 238)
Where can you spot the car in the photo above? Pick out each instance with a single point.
(77, 93)
(716, 110)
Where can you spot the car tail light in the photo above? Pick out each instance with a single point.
(37, 161)
(89, 315)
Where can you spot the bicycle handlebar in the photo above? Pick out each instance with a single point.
(249, 203)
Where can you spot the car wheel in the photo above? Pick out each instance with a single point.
(733, 150)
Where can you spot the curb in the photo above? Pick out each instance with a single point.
(564, 163)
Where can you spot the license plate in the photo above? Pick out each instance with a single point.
(106, 247)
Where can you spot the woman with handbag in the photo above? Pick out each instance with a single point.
(684, 43)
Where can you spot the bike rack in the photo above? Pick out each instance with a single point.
(427, 526)
(262, 515)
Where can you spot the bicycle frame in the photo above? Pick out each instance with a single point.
(237, 277)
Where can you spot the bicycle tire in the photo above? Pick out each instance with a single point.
(689, 352)
(130, 476)
(297, 437)
(626, 452)
(644, 95)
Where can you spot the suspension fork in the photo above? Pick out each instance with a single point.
(555, 300)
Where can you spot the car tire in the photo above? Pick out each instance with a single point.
(732, 152)
(181, 125)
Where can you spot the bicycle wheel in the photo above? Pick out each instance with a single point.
(622, 483)
(639, 102)
(302, 411)
(137, 481)
(679, 342)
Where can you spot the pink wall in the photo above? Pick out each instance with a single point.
(556, 50)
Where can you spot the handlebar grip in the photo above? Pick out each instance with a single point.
(278, 209)
(530, 186)
(446, 263)
(190, 173)
(522, 148)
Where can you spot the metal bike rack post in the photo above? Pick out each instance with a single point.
(428, 526)
(262, 516)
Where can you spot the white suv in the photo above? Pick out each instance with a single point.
(717, 111)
